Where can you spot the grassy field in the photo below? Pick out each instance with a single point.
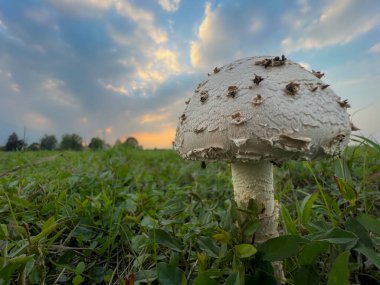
(125, 216)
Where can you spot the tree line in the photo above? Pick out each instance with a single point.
(68, 142)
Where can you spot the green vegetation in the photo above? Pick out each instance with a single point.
(127, 216)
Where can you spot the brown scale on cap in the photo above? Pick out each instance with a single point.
(257, 79)
(276, 61)
(232, 91)
(318, 74)
(187, 101)
(344, 104)
(324, 86)
(237, 118)
(314, 89)
(199, 130)
(353, 127)
(292, 88)
(257, 100)
(204, 96)
(216, 70)
(183, 118)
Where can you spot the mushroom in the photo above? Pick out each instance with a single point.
(280, 128)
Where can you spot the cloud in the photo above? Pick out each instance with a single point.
(169, 5)
(121, 89)
(87, 65)
(375, 48)
(36, 121)
(304, 5)
(83, 8)
(56, 92)
(144, 20)
(339, 23)
(152, 118)
(217, 40)
(6, 80)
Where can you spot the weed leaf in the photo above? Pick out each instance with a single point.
(208, 246)
(282, 247)
(164, 238)
(306, 274)
(245, 250)
(373, 258)
(311, 251)
(339, 273)
(336, 236)
(203, 279)
(370, 223)
(170, 275)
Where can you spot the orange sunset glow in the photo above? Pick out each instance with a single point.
(161, 139)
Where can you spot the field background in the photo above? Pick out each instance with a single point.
(127, 216)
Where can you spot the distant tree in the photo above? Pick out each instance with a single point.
(34, 146)
(14, 143)
(132, 142)
(49, 142)
(71, 142)
(96, 144)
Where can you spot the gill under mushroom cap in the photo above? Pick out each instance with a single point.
(290, 114)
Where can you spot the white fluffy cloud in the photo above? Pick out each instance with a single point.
(144, 20)
(169, 5)
(217, 40)
(338, 23)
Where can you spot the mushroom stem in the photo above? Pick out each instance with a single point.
(254, 180)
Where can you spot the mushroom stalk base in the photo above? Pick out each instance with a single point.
(254, 180)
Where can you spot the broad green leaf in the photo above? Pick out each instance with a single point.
(346, 190)
(209, 246)
(204, 279)
(251, 227)
(170, 275)
(81, 266)
(78, 279)
(233, 279)
(164, 238)
(311, 251)
(290, 226)
(145, 276)
(372, 256)
(21, 259)
(357, 228)
(370, 223)
(282, 247)
(245, 250)
(306, 206)
(336, 236)
(29, 266)
(339, 273)
(7, 271)
(306, 274)
(222, 237)
(252, 207)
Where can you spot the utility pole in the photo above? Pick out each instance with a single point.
(24, 138)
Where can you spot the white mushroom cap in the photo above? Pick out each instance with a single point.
(231, 118)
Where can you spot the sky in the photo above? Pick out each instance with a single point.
(119, 68)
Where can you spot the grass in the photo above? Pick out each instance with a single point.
(125, 216)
